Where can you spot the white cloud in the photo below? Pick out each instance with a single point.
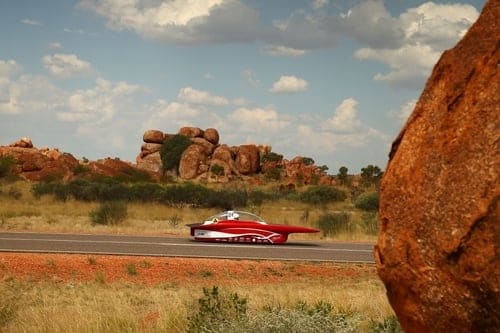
(65, 65)
(257, 119)
(99, 104)
(191, 95)
(180, 21)
(289, 84)
(28, 21)
(55, 46)
(411, 44)
(280, 50)
(8, 68)
(21, 94)
(208, 76)
(345, 119)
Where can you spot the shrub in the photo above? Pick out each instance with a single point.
(274, 174)
(331, 224)
(367, 201)
(322, 195)
(304, 318)
(113, 212)
(6, 162)
(271, 157)
(171, 151)
(307, 161)
(218, 312)
(217, 170)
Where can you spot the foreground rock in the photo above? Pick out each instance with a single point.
(438, 247)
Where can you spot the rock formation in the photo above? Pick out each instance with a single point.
(206, 152)
(438, 247)
(35, 164)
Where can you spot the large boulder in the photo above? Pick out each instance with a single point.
(211, 135)
(193, 162)
(438, 247)
(191, 132)
(153, 136)
(247, 159)
(222, 152)
(208, 146)
(150, 162)
(150, 148)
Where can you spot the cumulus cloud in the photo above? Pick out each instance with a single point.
(289, 84)
(65, 65)
(280, 50)
(410, 44)
(8, 68)
(345, 119)
(180, 21)
(250, 119)
(99, 104)
(23, 93)
(194, 96)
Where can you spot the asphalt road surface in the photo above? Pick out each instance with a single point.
(183, 247)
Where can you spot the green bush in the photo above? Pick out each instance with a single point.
(217, 170)
(274, 174)
(368, 201)
(6, 162)
(171, 152)
(331, 224)
(304, 318)
(219, 312)
(271, 157)
(322, 195)
(109, 213)
(307, 161)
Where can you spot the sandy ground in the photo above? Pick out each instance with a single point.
(158, 270)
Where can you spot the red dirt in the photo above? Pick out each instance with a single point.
(158, 270)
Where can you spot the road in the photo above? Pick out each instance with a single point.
(182, 247)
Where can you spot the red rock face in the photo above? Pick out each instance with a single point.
(248, 159)
(33, 164)
(191, 160)
(438, 248)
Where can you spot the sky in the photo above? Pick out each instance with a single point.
(330, 80)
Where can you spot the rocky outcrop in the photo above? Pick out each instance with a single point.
(438, 247)
(206, 152)
(33, 164)
(22, 143)
(247, 159)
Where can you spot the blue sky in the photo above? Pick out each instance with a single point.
(330, 80)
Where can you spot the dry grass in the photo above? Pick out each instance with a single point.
(49, 215)
(57, 304)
